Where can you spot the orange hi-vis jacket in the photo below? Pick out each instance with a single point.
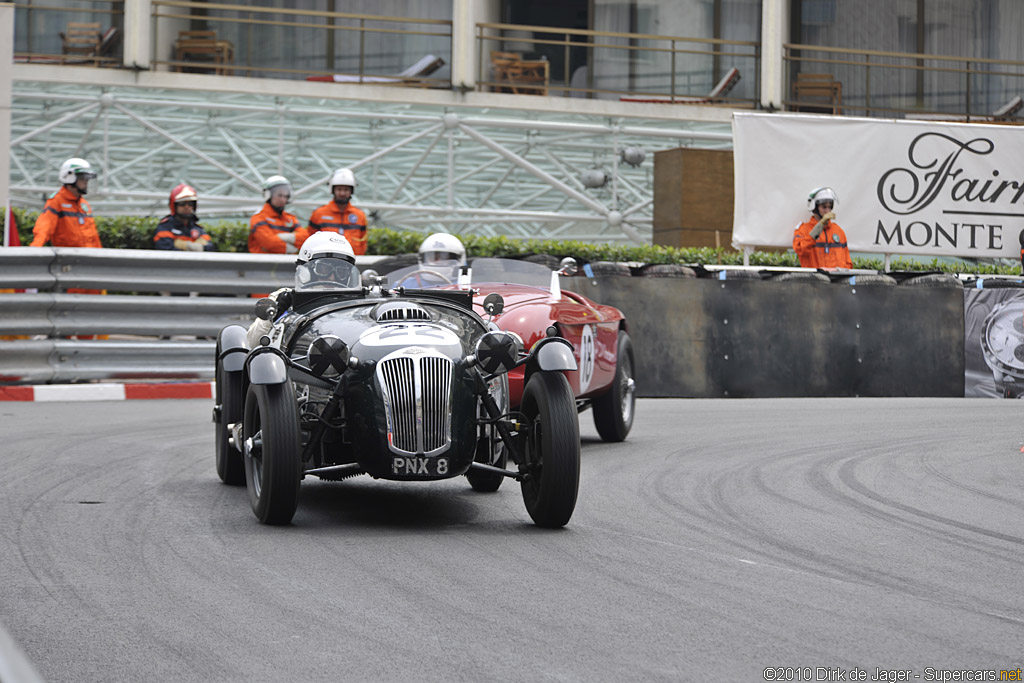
(350, 221)
(265, 226)
(829, 250)
(66, 221)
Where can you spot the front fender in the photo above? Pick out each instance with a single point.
(231, 348)
(266, 365)
(551, 354)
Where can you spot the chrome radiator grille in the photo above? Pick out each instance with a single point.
(417, 400)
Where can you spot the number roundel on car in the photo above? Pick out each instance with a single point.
(587, 354)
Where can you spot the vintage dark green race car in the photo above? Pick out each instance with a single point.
(399, 384)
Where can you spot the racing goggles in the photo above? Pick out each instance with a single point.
(440, 256)
(331, 269)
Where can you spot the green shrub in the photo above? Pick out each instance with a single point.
(131, 232)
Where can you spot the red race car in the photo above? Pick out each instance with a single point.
(533, 302)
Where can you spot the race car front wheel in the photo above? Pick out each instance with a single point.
(613, 410)
(230, 467)
(273, 461)
(552, 449)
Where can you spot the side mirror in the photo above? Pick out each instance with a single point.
(568, 266)
(266, 309)
(494, 304)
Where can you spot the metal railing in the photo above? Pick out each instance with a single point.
(144, 333)
(650, 65)
(308, 36)
(906, 84)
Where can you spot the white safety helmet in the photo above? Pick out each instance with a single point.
(272, 182)
(343, 176)
(72, 168)
(326, 244)
(326, 259)
(442, 246)
(822, 194)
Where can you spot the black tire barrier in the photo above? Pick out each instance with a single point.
(609, 269)
(870, 279)
(802, 277)
(934, 280)
(736, 275)
(547, 260)
(392, 263)
(668, 270)
(997, 283)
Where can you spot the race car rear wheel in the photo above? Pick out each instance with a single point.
(552, 449)
(230, 467)
(273, 462)
(613, 410)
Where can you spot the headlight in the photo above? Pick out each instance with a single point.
(498, 351)
(328, 356)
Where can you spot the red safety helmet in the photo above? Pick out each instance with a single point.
(182, 193)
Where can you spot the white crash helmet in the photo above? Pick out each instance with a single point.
(442, 246)
(326, 244)
(326, 259)
(343, 176)
(822, 194)
(72, 168)
(272, 182)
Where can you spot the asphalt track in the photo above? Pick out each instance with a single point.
(724, 537)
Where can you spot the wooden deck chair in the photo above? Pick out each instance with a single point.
(716, 94)
(818, 93)
(81, 40)
(424, 67)
(1006, 112)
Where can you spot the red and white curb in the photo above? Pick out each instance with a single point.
(106, 392)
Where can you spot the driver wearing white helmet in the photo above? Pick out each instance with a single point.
(339, 215)
(442, 247)
(820, 242)
(325, 262)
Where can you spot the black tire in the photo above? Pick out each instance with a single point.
(998, 283)
(488, 482)
(870, 279)
(273, 472)
(552, 449)
(934, 280)
(613, 410)
(549, 261)
(228, 394)
(736, 274)
(668, 270)
(802, 277)
(610, 269)
(396, 262)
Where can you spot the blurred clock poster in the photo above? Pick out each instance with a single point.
(994, 342)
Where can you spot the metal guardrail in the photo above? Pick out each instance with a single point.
(148, 328)
(135, 270)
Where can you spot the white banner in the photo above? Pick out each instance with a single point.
(904, 187)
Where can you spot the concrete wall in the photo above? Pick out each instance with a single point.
(752, 338)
